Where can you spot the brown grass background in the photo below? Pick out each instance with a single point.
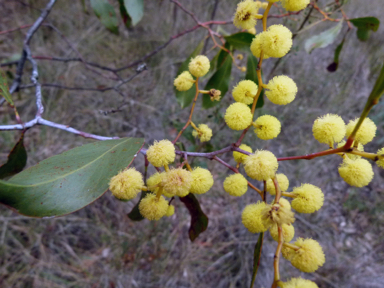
(99, 246)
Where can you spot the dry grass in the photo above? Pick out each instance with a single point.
(98, 246)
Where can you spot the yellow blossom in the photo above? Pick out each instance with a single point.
(177, 182)
(261, 166)
(380, 162)
(294, 5)
(184, 81)
(245, 16)
(277, 214)
(161, 153)
(170, 211)
(287, 229)
(276, 41)
(245, 92)
(309, 257)
(256, 46)
(267, 127)
(238, 116)
(309, 198)
(202, 181)
(204, 133)
(153, 208)
(366, 132)
(283, 184)
(281, 90)
(235, 185)
(328, 129)
(356, 172)
(199, 66)
(240, 157)
(299, 283)
(251, 217)
(359, 147)
(127, 184)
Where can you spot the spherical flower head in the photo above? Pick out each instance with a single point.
(238, 116)
(204, 133)
(154, 183)
(251, 217)
(235, 185)
(366, 132)
(199, 66)
(245, 16)
(288, 232)
(359, 147)
(245, 92)
(283, 184)
(380, 162)
(309, 198)
(261, 166)
(294, 5)
(256, 46)
(161, 153)
(152, 207)
(170, 211)
(240, 157)
(281, 90)
(277, 41)
(287, 252)
(177, 182)
(309, 257)
(356, 172)
(300, 283)
(284, 203)
(127, 184)
(267, 127)
(184, 81)
(328, 129)
(277, 214)
(202, 181)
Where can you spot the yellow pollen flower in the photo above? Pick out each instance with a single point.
(267, 127)
(204, 133)
(284, 203)
(309, 257)
(309, 198)
(235, 185)
(170, 211)
(245, 16)
(184, 81)
(202, 181)
(256, 46)
(288, 232)
(360, 147)
(238, 116)
(251, 217)
(261, 166)
(380, 162)
(177, 182)
(366, 132)
(153, 208)
(199, 66)
(328, 129)
(245, 92)
(294, 5)
(281, 90)
(240, 157)
(277, 214)
(356, 172)
(283, 184)
(161, 153)
(277, 41)
(127, 184)
(300, 282)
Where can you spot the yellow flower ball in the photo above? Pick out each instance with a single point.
(235, 185)
(261, 166)
(238, 116)
(284, 203)
(380, 162)
(356, 172)
(199, 66)
(240, 157)
(277, 41)
(251, 217)
(328, 129)
(360, 147)
(245, 92)
(299, 283)
(288, 232)
(184, 81)
(277, 214)
(283, 184)
(245, 16)
(154, 182)
(366, 132)
(177, 182)
(170, 211)
(204, 133)
(153, 208)
(287, 252)
(256, 46)
(281, 90)
(294, 5)
(127, 184)
(161, 153)
(267, 127)
(309, 257)
(309, 198)
(202, 181)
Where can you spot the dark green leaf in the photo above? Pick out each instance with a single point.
(135, 9)
(219, 81)
(323, 39)
(185, 98)
(364, 26)
(4, 90)
(333, 66)
(223, 55)
(17, 159)
(135, 214)
(240, 41)
(67, 182)
(106, 13)
(199, 221)
(124, 14)
(256, 257)
(252, 75)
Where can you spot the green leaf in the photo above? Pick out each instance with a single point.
(378, 89)
(364, 26)
(4, 90)
(17, 159)
(135, 9)
(323, 39)
(65, 183)
(106, 13)
(256, 257)
(333, 66)
(223, 55)
(199, 221)
(187, 132)
(252, 75)
(124, 14)
(240, 41)
(185, 98)
(219, 81)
